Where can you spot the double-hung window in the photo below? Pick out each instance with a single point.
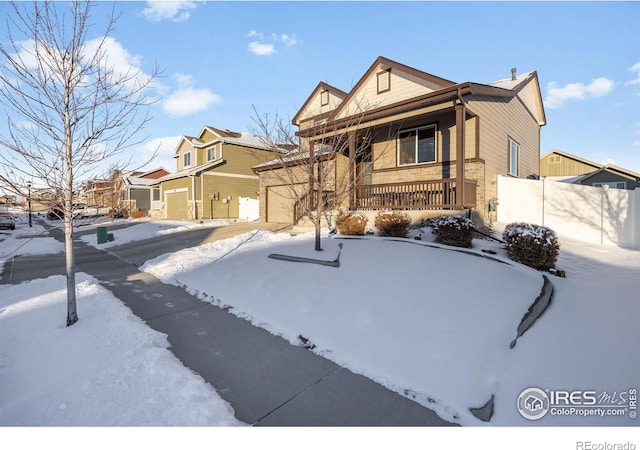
(417, 145)
(514, 156)
(186, 159)
(211, 153)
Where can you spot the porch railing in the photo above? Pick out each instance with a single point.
(432, 194)
(309, 202)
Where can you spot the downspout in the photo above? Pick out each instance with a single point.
(353, 182)
(193, 197)
(202, 192)
(460, 134)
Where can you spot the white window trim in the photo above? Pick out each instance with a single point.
(509, 171)
(609, 184)
(184, 155)
(215, 151)
(435, 136)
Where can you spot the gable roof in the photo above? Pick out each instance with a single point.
(322, 86)
(597, 166)
(527, 87)
(190, 171)
(625, 173)
(431, 90)
(224, 136)
(380, 64)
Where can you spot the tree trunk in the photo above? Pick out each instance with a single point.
(72, 314)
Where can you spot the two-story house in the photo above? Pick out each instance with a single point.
(433, 145)
(213, 173)
(562, 166)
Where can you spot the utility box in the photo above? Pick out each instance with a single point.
(103, 237)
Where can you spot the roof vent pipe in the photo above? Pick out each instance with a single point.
(513, 74)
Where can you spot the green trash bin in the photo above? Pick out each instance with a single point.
(102, 235)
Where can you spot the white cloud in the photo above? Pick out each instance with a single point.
(187, 100)
(636, 69)
(261, 49)
(112, 55)
(164, 146)
(557, 96)
(176, 11)
(184, 79)
(636, 144)
(116, 56)
(262, 46)
(289, 41)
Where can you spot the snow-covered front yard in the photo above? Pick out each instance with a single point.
(430, 323)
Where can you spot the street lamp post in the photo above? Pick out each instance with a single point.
(29, 199)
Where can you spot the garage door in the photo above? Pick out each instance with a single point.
(279, 205)
(177, 206)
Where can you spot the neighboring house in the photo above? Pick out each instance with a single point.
(561, 166)
(99, 192)
(8, 200)
(435, 145)
(42, 200)
(214, 171)
(138, 195)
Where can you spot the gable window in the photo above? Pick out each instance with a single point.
(554, 159)
(417, 145)
(324, 98)
(186, 159)
(384, 81)
(211, 153)
(514, 157)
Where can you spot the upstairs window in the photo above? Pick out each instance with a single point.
(211, 153)
(384, 81)
(417, 146)
(514, 157)
(554, 159)
(186, 159)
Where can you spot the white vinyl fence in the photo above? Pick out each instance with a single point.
(593, 214)
(249, 209)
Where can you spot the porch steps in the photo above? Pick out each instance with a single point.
(305, 225)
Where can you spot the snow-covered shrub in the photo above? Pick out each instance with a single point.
(453, 230)
(392, 223)
(351, 224)
(533, 245)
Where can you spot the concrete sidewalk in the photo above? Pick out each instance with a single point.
(266, 380)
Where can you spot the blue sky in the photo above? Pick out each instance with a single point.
(219, 58)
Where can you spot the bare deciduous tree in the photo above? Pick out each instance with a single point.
(68, 107)
(321, 172)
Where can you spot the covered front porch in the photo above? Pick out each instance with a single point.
(432, 194)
